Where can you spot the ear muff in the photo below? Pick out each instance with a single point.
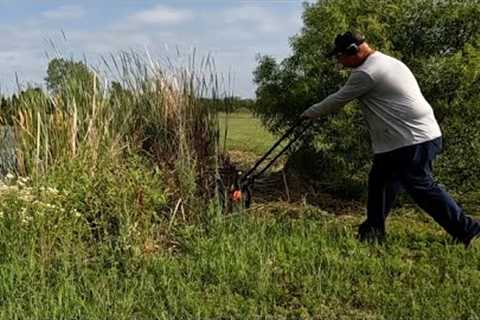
(353, 48)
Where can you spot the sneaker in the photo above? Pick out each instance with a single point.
(467, 241)
(367, 233)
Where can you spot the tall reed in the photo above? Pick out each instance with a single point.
(130, 103)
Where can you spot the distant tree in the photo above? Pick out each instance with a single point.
(229, 104)
(117, 91)
(6, 111)
(116, 87)
(243, 104)
(62, 74)
(31, 98)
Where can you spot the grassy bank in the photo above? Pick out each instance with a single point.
(276, 263)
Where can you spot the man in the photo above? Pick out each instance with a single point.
(405, 138)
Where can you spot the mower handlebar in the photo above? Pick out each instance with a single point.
(248, 175)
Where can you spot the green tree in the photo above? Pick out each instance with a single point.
(62, 74)
(24, 100)
(438, 40)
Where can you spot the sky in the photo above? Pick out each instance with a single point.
(233, 32)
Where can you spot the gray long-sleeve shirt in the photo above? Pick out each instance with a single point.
(394, 108)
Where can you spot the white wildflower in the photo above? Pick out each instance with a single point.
(27, 219)
(52, 206)
(52, 190)
(23, 179)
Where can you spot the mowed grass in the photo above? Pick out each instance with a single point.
(245, 133)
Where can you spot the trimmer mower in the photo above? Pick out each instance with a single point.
(240, 191)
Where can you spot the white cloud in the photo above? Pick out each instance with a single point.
(253, 16)
(161, 15)
(66, 12)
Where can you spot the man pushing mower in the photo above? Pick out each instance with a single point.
(405, 138)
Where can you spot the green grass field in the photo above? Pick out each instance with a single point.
(245, 133)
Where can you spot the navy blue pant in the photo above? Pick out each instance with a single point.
(411, 168)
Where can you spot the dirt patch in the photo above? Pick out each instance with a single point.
(278, 185)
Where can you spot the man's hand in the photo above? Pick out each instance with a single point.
(307, 114)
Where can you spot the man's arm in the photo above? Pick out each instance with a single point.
(357, 85)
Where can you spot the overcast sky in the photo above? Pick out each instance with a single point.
(233, 31)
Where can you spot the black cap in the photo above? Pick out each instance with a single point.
(345, 41)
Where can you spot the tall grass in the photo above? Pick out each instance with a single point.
(152, 109)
